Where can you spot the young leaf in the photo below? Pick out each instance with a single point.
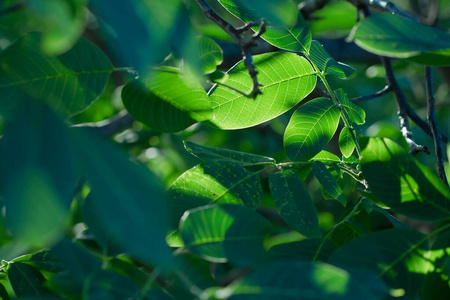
(220, 233)
(212, 153)
(286, 77)
(302, 280)
(69, 82)
(355, 113)
(401, 182)
(326, 157)
(210, 55)
(294, 203)
(328, 182)
(311, 128)
(346, 142)
(214, 182)
(127, 193)
(327, 64)
(397, 256)
(27, 281)
(395, 36)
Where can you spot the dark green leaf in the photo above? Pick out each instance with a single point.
(294, 203)
(69, 82)
(4, 293)
(328, 182)
(214, 182)
(346, 142)
(107, 285)
(397, 256)
(221, 233)
(355, 113)
(212, 153)
(126, 208)
(400, 181)
(303, 250)
(286, 77)
(395, 36)
(27, 281)
(311, 128)
(327, 64)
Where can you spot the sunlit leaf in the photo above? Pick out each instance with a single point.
(346, 142)
(310, 129)
(221, 233)
(326, 157)
(400, 181)
(328, 182)
(212, 153)
(69, 82)
(214, 182)
(294, 203)
(209, 55)
(327, 64)
(286, 77)
(355, 113)
(395, 36)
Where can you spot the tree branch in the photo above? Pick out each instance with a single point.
(111, 126)
(437, 138)
(244, 43)
(384, 91)
(382, 5)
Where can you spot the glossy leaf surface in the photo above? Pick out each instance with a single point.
(346, 143)
(286, 77)
(310, 129)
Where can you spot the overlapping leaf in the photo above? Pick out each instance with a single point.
(311, 128)
(394, 36)
(294, 203)
(346, 142)
(27, 281)
(327, 64)
(69, 82)
(328, 182)
(355, 113)
(209, 55)
(401, 182)
(221, 233)
(214, 182)
(286, 77)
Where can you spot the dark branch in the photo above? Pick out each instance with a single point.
(244, 43)
(308, 7)
(382, 5)
(437, 138)
(384, 91)
(11, 8)
(111, 126)
(422, 124)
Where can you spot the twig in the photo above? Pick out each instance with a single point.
(112, 125)
(244, 43)
(308, 7)
(422, 124)
(384, 6)
(431, 116)
(12, 8)
(384, 91)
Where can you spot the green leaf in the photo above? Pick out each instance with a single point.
(221, 233)
(403, 183)
(167, 101)
(355, 113)
(63, 22)
(286, 77)
(294, 203)
(326, 157)
(109, 285)
(395, 36)
(126, 206)
(210, 55)
(328, 182)
(311, 128)
(69, 82)
(301, 280)
(346, 142)
(304, 250)
(327, 64)
(26, 281)
(212, 153)
(4, 293)
(397, 256)
(37, 174)
(214, 182)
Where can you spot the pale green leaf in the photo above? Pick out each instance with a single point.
(294, 203)
(311, 128)
(326, 157)
(346, 142)
(355, 113)
(286, 77)
(210, 55)
(327, 64)
(328, 182)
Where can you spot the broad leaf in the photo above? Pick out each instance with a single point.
(210, 55)
(326, 157)
(214, 182)
(301, 280)
(221, 233)
(327, 64)
(27, 281)
(355, 113)
(212, 153)
(328, 182)
(397, 256)
(167, 101)
(286, 77)
(294, 203)
(127, 193)
(69, 82)
(304, 250)
(3, 293)
(109, 285)
(346, 142)
(311, 128)
(401, 182)
(395, 36)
